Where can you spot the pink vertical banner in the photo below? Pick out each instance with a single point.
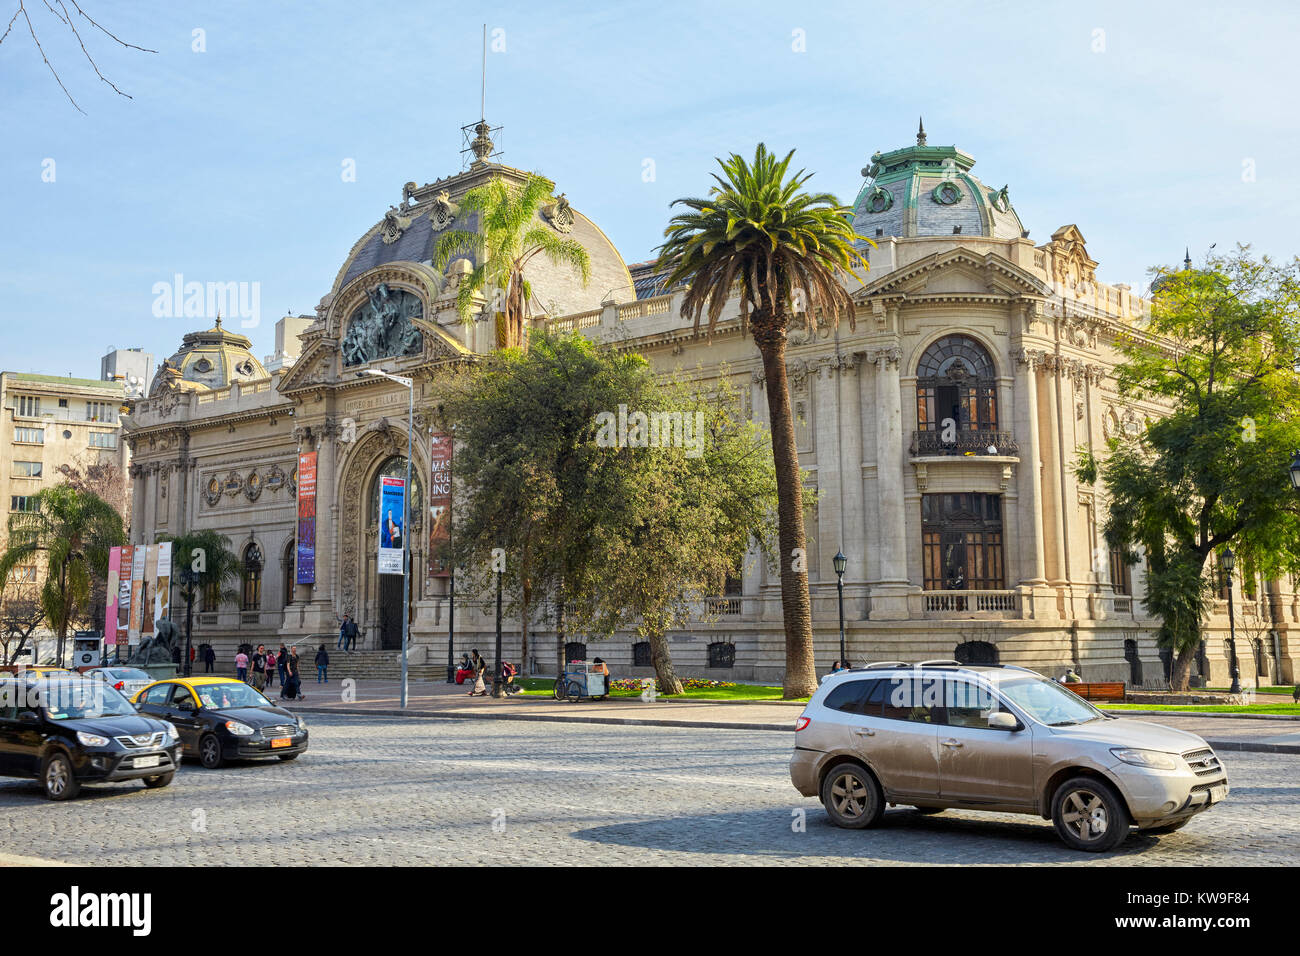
(110, 594)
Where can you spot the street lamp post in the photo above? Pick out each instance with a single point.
(406, 518)
(1229, 561)
(1295, 471)
(841, 563)
(497, 689)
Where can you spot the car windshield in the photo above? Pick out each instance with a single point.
(79, 700)
(1049, 702)
(237, 694)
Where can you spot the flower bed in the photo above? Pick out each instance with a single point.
(638, 684)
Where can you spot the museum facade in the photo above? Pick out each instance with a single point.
(941, 433)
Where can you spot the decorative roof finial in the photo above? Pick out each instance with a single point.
(1187, 257)
(920, 132)
(218, 320)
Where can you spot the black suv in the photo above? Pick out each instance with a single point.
(69, 731)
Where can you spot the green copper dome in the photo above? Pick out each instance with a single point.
(926, 190)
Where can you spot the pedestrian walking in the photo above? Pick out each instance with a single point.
(209, 657)
(352, 629)
(322, 662)
(480, 668)
(241, 666)
(292, 689)
(343, 631)
(270, 669)
(281, 662)
(258, 663)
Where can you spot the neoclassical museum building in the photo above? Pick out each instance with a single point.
(940, 433)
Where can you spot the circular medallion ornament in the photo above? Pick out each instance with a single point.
(877, 200)
(946, 193)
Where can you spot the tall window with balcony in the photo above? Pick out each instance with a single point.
(962, 543)
(956, 400)
(29, 406)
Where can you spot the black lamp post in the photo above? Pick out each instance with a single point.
(1295, 471)
(451, 624)
(1229, 562)
(841, 563)
(497, 689)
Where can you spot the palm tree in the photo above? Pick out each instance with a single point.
(760, 237)
(508, 236)
(203, 560)
(74, 531)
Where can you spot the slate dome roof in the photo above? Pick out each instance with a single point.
(409, 231)
(927, 190)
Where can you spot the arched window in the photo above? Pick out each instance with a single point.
(288, 571)
(955, 379)
(252, 578)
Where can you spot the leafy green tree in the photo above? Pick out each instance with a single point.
(525, 431)
(618, 535)
(202, 560)
(782, 252)
(678, 522)
(73, 531)
(1222, 350)
(509, 236)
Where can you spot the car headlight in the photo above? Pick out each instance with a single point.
(91, 740)
(302, 724)
(1152, 759)
(172, 732)
(238, 729)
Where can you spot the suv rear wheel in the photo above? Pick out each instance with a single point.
(1089, 815)
(852, 797)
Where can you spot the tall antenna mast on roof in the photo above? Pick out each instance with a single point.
(482, 103)
(478, 136)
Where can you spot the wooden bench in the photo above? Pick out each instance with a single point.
(1099, 690)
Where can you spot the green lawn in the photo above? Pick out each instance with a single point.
(1288, 710)
(1286, 689)
(545, 686)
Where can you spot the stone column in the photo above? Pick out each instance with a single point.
(889, 595)
(830, 528)
(1029, 519)
(137, 504)
(853, 520)
(1053, 494)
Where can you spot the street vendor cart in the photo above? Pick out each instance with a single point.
(582, 679)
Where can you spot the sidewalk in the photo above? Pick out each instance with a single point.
(426, 699)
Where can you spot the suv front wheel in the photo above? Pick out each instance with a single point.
(1089, 815)
(852, 797)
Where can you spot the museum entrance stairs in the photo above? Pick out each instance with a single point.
(375, 665)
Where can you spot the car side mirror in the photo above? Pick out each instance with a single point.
(1001, 720)
(29, 717)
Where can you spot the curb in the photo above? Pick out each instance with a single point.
(549, 718)
(1234, 745)
(1198, 713)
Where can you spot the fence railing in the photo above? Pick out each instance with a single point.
(969, 442)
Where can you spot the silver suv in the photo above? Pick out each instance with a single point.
(940, 735)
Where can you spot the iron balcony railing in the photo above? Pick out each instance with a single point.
(970, 442)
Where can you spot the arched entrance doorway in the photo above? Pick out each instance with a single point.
(387, 588)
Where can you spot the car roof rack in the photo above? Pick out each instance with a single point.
(941, 664)
(882, 665)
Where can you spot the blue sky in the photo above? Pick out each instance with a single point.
(227, 164)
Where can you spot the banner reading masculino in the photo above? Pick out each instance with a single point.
(440, 452)
(307, 518)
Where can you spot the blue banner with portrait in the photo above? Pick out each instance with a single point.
(392, 530)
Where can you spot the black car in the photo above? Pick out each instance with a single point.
(222, 719)
(69, 731)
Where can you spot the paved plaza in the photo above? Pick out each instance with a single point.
(447, 791)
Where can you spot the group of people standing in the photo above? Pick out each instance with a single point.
(264, 666)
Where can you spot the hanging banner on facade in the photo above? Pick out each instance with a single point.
(307, 518)
(138, 556)
(110, 594)
(149, 590)
(439, 502)
(122, 613)
(162, 591)
(392, 496)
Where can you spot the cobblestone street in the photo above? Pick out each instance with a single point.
(412, 792)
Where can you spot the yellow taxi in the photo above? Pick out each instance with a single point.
(220, 719)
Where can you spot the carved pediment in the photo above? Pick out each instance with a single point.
(955, 272)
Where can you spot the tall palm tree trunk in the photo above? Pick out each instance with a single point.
(796, 607)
